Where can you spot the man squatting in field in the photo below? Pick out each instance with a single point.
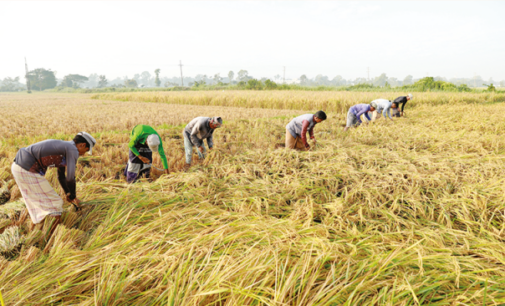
(30, 167)
(401, 100)
(384, 106)
(355, 112)
(144, 140)
(296, 130)
(195, 132)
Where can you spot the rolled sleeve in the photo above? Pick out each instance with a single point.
(305, 126)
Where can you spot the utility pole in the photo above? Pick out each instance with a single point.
(182, 80)
(284, 76)
(368, 71)
(28, 87)
(475, 79)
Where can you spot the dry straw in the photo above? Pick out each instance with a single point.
(403, 214)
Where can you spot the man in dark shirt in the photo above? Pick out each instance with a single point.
(401, 100)
(30, 166)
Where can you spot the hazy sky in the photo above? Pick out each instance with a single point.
(118, 38)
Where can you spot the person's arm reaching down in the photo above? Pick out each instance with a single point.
(367, 116)
(358, 115)
(388, 111)
(62, 179)
(403, 104)
(210, 140)
(70, 179)
(361, 112)
(305, 127)
(162, 155)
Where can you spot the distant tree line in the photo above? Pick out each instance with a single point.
(42, 79)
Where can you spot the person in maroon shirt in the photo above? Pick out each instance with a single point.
(296, 130)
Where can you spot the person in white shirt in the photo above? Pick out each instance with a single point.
(384, 106)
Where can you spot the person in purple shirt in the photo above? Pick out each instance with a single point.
(355, 112)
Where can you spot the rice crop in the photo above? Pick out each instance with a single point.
(407, 213)
(297, 100)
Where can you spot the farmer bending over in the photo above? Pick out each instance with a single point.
(296, 130)
(30, 167)
(355, 112)
(401, 100)
(195, 132)
(144, 140)
(384, 106)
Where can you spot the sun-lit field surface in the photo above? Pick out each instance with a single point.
(299, 100)
(31, 118)
(387, 214)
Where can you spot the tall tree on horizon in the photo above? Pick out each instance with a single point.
(157, 80)
(243, 75)
(102, 81)
(73, 80)
(231, 75)
(42, 79)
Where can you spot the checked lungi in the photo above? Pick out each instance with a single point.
(135, 168)
(40, 198)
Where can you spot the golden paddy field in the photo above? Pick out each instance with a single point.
(407, 213)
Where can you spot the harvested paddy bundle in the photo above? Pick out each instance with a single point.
(5, 193)
(10, 241)
(12, 209)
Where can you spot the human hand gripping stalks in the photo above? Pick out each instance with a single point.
(75, 202)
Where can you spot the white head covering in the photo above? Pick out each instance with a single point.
(153, 141)
(91, 141)
(217, 121)
(373, 104)
(410, 96)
